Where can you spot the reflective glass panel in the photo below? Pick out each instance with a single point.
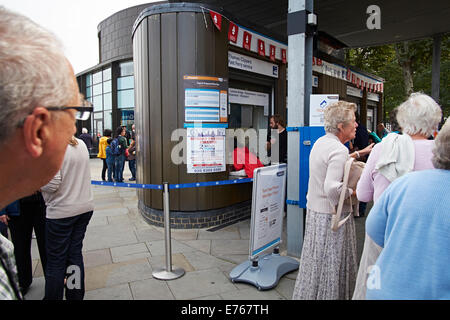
(98, 103)
(126, 69)
(107, 86)
(107, 101)
(97, 77)
(107, 74)
(125, 99)
(125, 83)
(97, 89)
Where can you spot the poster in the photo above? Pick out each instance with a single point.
(205, 150)
(318, 103)
(269, 187)
(205, 99)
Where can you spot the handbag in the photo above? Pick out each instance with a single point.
(127, 153)
(352, 172)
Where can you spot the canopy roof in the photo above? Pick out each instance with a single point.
(345, 20)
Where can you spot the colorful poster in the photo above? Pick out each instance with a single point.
(205, 99)
(205, 150)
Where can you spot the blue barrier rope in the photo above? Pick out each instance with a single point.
(171, 186)
(128, 185)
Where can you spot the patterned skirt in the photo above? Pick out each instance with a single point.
(328, 264)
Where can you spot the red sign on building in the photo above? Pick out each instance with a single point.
(261, 48)
(247, 42)
(233, 32)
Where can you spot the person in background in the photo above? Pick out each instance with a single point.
(102, 151)
(132, 159)
(395, 156)
(30, 216)
(110, 159)
(120, 158)
(382, 131)
(36, 124)
(70, 206)
(6, 213)
(245, 160)
(410, 222)
(276, 123)
(360, 142)
(87, 138)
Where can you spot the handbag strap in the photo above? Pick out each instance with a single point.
(336, 221)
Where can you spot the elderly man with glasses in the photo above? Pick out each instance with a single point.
(39, 104)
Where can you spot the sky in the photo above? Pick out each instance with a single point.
(73, 22)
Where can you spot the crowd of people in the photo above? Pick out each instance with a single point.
(45, 185)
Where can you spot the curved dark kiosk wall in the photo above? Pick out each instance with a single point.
(169, 41)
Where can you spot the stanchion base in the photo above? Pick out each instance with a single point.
(163, 274)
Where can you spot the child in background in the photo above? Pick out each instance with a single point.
(110, 158)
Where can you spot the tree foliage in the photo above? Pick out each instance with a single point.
(396, 62)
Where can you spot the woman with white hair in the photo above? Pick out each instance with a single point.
(328, 263)
(396, 155)
(410, 221)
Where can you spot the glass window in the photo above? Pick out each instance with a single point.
(98, 103)
(89, 80)
(107, 74)
(97, 77)
(125, 83)
(108, 119)
(126, 69)
(107, 86)
(88, 92)
(97, 89)
(98, 115)
(125, 99)
(107, 101)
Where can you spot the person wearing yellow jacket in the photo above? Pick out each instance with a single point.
(102, 150)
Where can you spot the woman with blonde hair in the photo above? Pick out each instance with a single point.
(70, 206)
(418, 117)
(328, 262)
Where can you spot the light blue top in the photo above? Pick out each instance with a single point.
(411, 221)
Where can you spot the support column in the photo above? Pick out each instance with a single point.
(435, 72)
(300, 48)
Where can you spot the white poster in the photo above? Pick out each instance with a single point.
(205, 150)
(318, 103)
(239, 61)
(269, 186)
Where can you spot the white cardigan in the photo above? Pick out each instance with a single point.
(69, 193)
(326, 172)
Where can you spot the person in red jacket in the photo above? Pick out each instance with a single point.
(244, 159)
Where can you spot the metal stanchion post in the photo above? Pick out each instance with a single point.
(169, 273)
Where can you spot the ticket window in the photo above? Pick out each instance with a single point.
(247, 116)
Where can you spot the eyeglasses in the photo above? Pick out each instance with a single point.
(83, 112)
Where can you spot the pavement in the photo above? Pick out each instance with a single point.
(121, 251)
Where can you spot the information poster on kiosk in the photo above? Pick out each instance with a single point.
(205, 99)
(269, 184)
(205, 150)
(318, 103)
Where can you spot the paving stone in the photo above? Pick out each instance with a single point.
(119, 292)
(201, 245)
(37, 289)
(229, 247)
(229, 233)
(201, 261)
(178, 261)
(101, 237)
(117, 273)
(110, 212)
(285, 287)
(151, 234)
(199, 284)
(151, 289)
(98, 221)
(158, 248)
(96, 258)
(129, 252)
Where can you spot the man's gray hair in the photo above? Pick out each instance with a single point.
(441, 151)
(420, 114)
(338, 112)
(33, 70)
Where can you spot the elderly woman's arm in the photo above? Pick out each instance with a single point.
(334, 176)
(365, 188)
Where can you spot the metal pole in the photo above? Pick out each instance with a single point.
(168, 273)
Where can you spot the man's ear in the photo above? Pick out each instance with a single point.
(36, 131)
